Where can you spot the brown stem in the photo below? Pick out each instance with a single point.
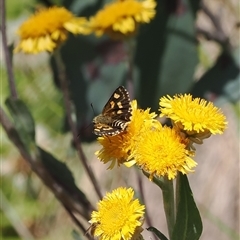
(218, 35)
(72, 125)
(11, 80)
(215, 20)
(209, 35)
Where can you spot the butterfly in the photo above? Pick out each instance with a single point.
(115, 115)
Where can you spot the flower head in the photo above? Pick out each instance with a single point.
(194, 116)
(161, 151)
(122, 17)
(118, 148)
(45, 30)
(118, 216)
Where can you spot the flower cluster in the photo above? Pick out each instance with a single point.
(48, 28)
(161, 150)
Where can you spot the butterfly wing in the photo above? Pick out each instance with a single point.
(101, 129)
(118, 106)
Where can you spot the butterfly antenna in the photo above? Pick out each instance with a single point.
(93, 109)
(88, 126)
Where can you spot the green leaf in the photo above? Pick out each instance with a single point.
(23, 122)
(79, 6)
(222, 78)
(188, 224)
(166, 52)
(157, 233)
(76, 235)
(22, 117)
(62, 174)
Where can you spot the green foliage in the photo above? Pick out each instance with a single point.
(222, 78)
(24, 122)
(6, 229)
(15, 9)
(62, 175)
(37, 90)
(22, 202)
(76, 235)
(188, 224)
(168, 58)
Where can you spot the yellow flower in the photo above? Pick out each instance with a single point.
(118, 216)
(194, 116)
(48, 28)
(118, 148)
(122, 17)
(160, 151)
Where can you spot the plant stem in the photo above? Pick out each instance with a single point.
(72, 125)
(169, 206)
(147, 217)
(77, 222)
(11, 80)
(168, 201)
